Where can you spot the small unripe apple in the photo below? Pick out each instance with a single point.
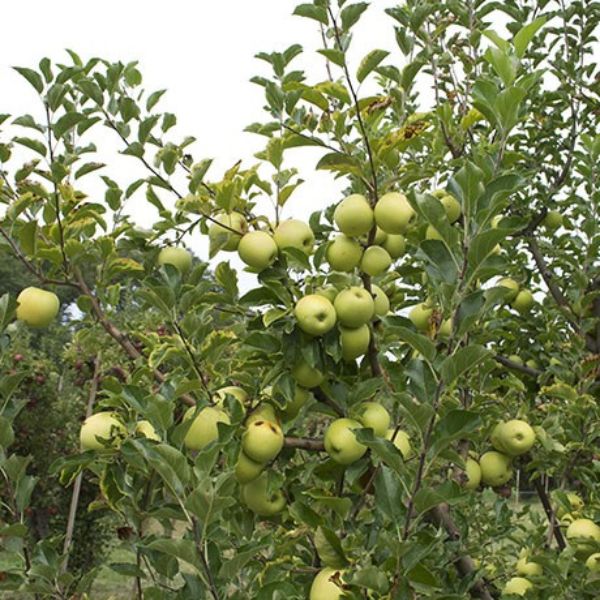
(528, 568)
(375, 261)
(36, 307)
(246, 469)
(307, 376)
(393, 213)
(593, 562)
(511, 285)
(315, 314)
(354, 215)
(518, 586)
(452, 207)
(354, 307)
(401, 441)
(382, 302)
(258, 250)
(580, 532)
(445, 330)
(473, 472)
(514, 437)
(259, 500)
(395, 244)
(203, 429)
(496, 468)
(224, 238)
(102, 427)
(420, 316)
(374, 416)
(344, 254)
(294, 233)
(354, 341)
(523, 301)
(146, 429)
(180, 258)
(432, 233)
(340, 441)
(553, 220)
(262, 441)
(325, 585)
(516, 359)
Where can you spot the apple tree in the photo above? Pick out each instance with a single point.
(409, 359)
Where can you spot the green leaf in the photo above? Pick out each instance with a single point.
(351, 14)
(503, 63)
(457, 424)
(33, 77)
(227, 277)
(28, 121)
(428, 498)
(264, 342)
(337, 57)
(34, 145)
(462, 361)
(417, 341)
(88, 168)
(66, 122)
(370, 62)
(372, 578)
(310, 11)
(526, 34)
(181, 549)
(153, 99)
(388, 493)
(7, 435)
(92, 90)
(336, 161)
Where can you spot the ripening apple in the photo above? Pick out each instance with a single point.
(180, 258)
(324, 585)
(101, 430)
(307, 376)
(36, 307)
(523, 301)
(381, 301)
(146, 429)
(263, 412)
(496, 468)
(340, 441)
(514, 437)
(294, 233)
(420, 316)
(580, 532)
(511, 285)
(553, 220)
(445, 330)
(262, 441)
(354, 215)
(452, 207)
(222, 237)
(354, 306)
(354, 341)
(301, 397)
(380, 237)
(593, 562)
(344, 253)
(259, 500)
(473, 473)
(518, 586)
(258, 250)
(203, 429)
(395, 244)
(315, 314)
(374, 416)
(247, 470)
(432, 233)
(528, 568)
(401, 441)
(375, 261)
(393, 213)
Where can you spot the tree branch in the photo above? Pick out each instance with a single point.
(541, 492)
(304, 444)
(517, 367)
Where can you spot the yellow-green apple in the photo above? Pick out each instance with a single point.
(575, 502)
(223, 237)
(315, 314)
(258, 250)
(518, 586)
(329, 292)
(340, 441)
(553, 220)
(395, 244)
(294, 233)
(452, 207)
(263, 412)
(580, 533)
(102, 430)
(262, 441)
(445, 330)
(532, 364)
(380, 236)
(528, 568)
(354, 341)
(301, 396)
(179, 258)
(401, 441)
(381, 301)
(431, 233)
(246, 469)
(420, 316)
(513, 437)
(231, 390)
(374, 416)
(36, 307)
(203, 429)
(516, 359)
(354, 306)
(523, 301)
(496, 468)
(375, 261)
(512, 288)
(593, 562)
(325, 585)
(393, 212)
(307, 376)
(354, 215)
(146, 429)
(473, 473)
(344, 253)
(259, 500)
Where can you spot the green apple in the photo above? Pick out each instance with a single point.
(393, 213)
(354, 341)
(301, 396)
(263, 412)
(223, 238)
(203, 429)
(516, 359)
(36, 307)
(532, 364)
(247, 470)
(102, 427)
(294, 233)
(420, 316)
(262, 441)
(580, 532)
(523, 301)
(325, 585)
(401, 441)
(354, 215)
(380, 236)
(354, 306)
(375, 261)
(575, 502)
(315, 314)
(340, 441)
(518, 586)
(307, 376)
(180, 258)
(514, 437)
(395, 244)
(231, 390)
(344, 253)
(496, 468)
(445, 330)
(511, 285)
(528, 568)
(373, 415)
(452, 207)
(258, 250)
(553, 220)
(431, 233)
(259, 500)
(329, 292)
(381, 301)
(593, 562)
(473, 473)
(146, 429)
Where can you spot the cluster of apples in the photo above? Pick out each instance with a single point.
(106, 430)
(521, 299)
